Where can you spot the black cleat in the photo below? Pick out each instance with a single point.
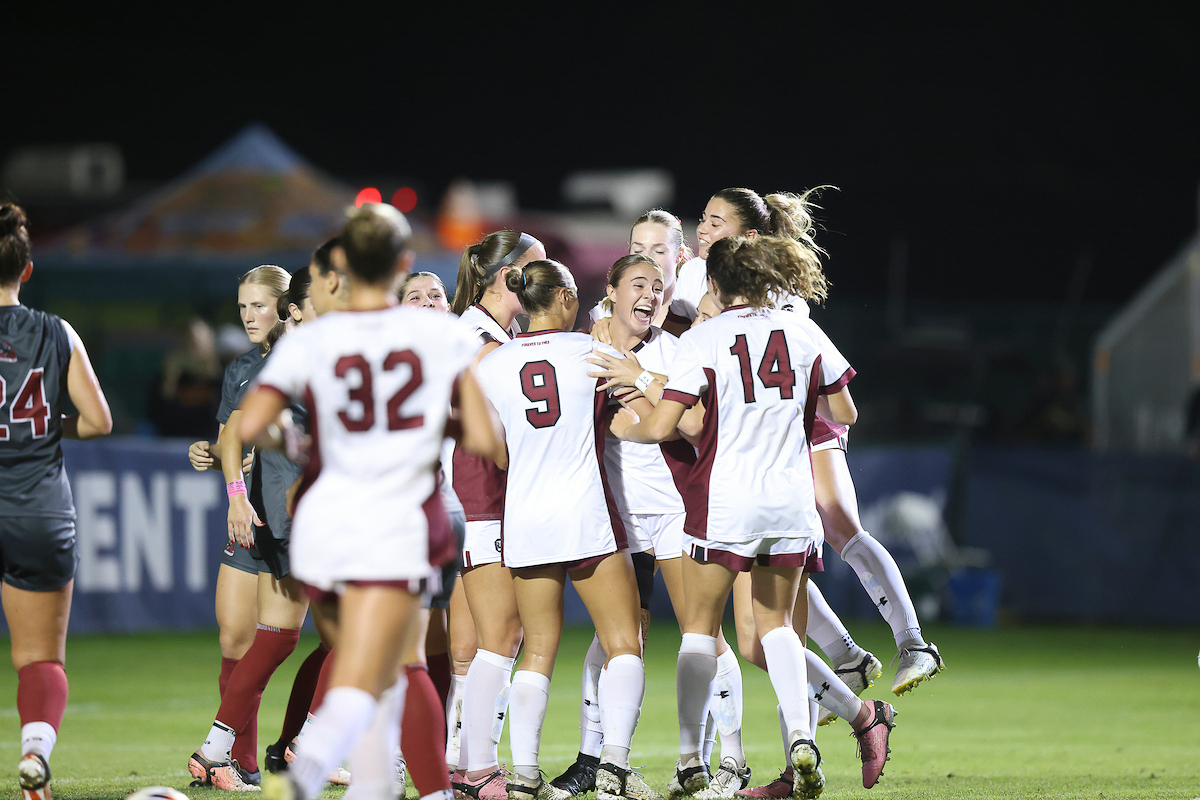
(580, 777)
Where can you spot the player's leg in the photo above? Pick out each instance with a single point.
(837, 504)
(460, 627)
(492, 600)
(375, 623)
(37, 622)
(423, 731)
(708, 585)
(609, 590)
(855, 666)
(539, 596)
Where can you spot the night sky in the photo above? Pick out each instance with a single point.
(1002, 142)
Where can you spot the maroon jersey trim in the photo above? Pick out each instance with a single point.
(695, 499)
(840, 383)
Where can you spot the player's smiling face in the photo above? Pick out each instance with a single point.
(425, 292)
(637, 296)
(257, 306)
(718, 221)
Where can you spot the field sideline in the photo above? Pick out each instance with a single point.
(1047, 712)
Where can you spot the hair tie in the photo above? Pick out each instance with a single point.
(524, 278)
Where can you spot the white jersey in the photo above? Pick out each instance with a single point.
(378, 388)
(487, 327)
(690, 285)
(758, 373)
(557, 506)
(649, 478)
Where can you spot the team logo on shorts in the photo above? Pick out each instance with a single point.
(229, 550)
(7, 352)
(497, 545)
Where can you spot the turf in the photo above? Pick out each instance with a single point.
(1046, 712)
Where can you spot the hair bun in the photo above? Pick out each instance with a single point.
(11, 219)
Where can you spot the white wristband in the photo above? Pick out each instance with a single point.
(643, 381)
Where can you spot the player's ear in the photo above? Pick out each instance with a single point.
(27, 273)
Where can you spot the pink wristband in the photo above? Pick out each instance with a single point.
(236, 487)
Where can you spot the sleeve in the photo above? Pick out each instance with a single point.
(687, 380)
(287, 370)
(229, 391)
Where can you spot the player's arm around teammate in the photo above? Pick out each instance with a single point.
(40, 356)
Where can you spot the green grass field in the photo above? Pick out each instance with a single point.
(1046, 712)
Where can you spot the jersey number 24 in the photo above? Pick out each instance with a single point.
(28, 406)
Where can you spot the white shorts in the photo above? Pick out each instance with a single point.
(482, 543)
(767, 552)
(661, 532)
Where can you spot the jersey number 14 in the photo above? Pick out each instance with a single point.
(775, 370)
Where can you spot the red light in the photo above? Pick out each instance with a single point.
(368, 195)
(405, 199)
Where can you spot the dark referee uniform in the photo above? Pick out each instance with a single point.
(37, 513)
(273, 473)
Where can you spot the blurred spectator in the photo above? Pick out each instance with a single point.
(1056, 414)
(184, 402)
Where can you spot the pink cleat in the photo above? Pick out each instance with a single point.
(221, 775)
(493, 786)
(873, 742)
(778, 789)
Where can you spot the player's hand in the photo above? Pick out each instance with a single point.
(248, 462)
(242, 521)
(200, 457)
(622, 421)
(626, 395)
(618, 371)
(602, 330)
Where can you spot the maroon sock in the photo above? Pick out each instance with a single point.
(439, 673)
(423, 733)
(227, 667)
(303, 689)
(323, 681)
(239, 706)
(42, 693)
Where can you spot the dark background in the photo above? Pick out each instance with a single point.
(1001, 142)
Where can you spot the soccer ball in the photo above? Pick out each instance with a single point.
(157, 793)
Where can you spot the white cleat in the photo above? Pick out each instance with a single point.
(857, 672)
(917, 664)
(614, 783)
(730, 779)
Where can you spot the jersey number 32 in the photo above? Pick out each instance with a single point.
(359, 416)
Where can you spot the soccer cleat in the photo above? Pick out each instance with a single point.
(580, 777)
(276, 761)
(857, 673)
(401, 777)
(916, 664)
(872, 740)
(253, 778)
(778, 789)
(280, 786)
(493, 786)
(33, 773)
(522, 789)
(615, 783)
(729, 780)
(339, 777)
(219, 774)
(688, 779)
(809, 781)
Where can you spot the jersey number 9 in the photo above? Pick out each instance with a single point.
(540, 384)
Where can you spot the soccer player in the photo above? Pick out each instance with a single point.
(558, 521)
(369, 530)
(485, 630)
(42, 361)
(758, 372)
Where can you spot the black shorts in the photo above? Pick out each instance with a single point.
(268, 555)
(458, 524)
(38, 553)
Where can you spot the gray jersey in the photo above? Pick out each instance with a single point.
(34, 352)
(273, 472)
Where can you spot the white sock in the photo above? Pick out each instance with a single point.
(484, 699)
(39, 737)
(336, 728)
(694, 673)
(440, 794)
(785, 666)
(783, 733)
(710, 732)
(827, 630)
(373, 759)
(218, 744)
(826, 688)
(879, 575)
(622, 690)
(528, 700)
(726, 706)
(303, 730)
(591, 735)
(454, 718)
